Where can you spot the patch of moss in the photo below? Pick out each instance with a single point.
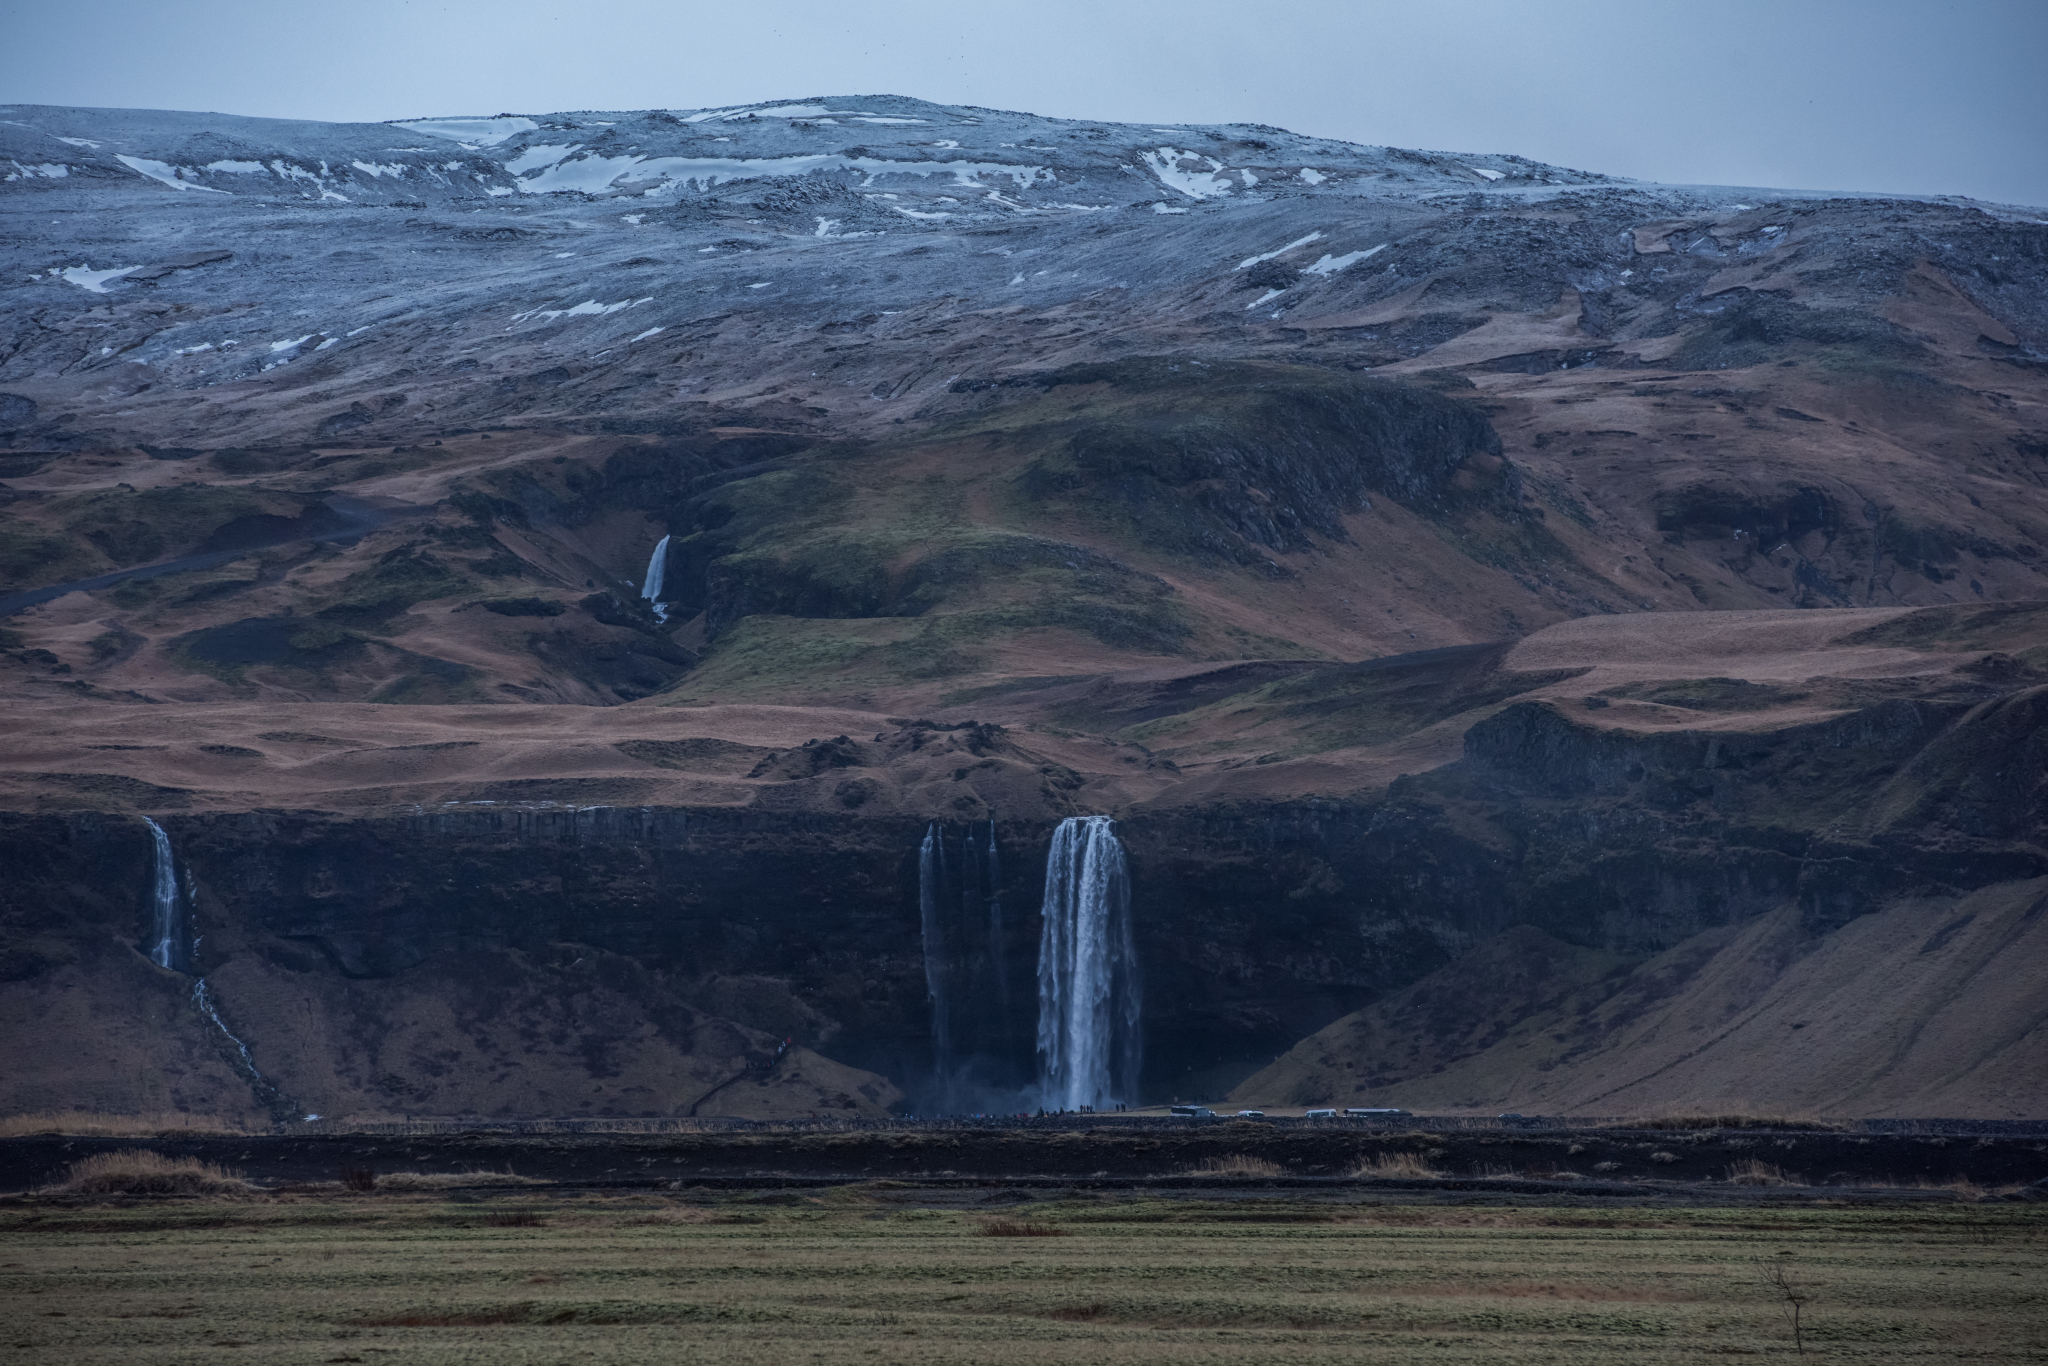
(2012, 626)
(1368, 703)
(868, 573)
(1760, 328)
(307, 644)
(399, 579)
(1240, 461)
(132, 528)
(30, 558)
(430, 682)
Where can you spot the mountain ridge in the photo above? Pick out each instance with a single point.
(1270, 493)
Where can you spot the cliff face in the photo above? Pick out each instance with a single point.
(704, 934)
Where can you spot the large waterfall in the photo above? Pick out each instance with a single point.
(657, 573)
(163, 899)
(1088, 993)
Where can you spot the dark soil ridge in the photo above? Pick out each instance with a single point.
(1496, 1160)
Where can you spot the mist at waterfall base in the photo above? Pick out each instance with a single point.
(1064, 1038)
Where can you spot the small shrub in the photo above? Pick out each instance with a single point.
(1663, 1157)
(1237, 1164)
(437, 1181)
(92, 1122)
(358, 1179)
(1019, 1228)
(1750, 1172)
(1396, 1164)
(139, 1171)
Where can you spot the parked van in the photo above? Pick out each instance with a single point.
(1192, 1112)
(1387, 1113)
(1319, 1114)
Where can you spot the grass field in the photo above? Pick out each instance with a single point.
(866, 1275)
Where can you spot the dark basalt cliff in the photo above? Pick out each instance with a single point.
(1257, 922)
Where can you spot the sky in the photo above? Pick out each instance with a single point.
(1915, 96)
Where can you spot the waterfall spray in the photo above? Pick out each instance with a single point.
(657, 572)
(931, 881)
(1088, 994)
(163, 898)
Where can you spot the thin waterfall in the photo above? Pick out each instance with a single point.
(1088, 991)
(163, 898)
(657, 572)
(998, 958)
(204, 1001)
(280, 1105)
(931, 883)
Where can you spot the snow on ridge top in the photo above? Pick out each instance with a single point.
(476, 132)
(795, 111)
(553, 171)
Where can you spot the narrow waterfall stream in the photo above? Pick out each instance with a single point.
(165, 952)
(657, 574)
(931, 884)
(976, 1060)
(998, 960)
(169, 949)
(1088, 990)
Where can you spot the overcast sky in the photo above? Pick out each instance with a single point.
(1922, 96)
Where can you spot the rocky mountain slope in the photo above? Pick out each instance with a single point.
(1522, 619)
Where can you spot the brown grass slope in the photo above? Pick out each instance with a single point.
(487, 1033)
(1881, 1016)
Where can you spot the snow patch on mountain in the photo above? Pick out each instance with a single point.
(1174, 170)
(589, 308)
(1248, 262)
(165, 174)
(473, 132)
(93, 281)
(1330, 265)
